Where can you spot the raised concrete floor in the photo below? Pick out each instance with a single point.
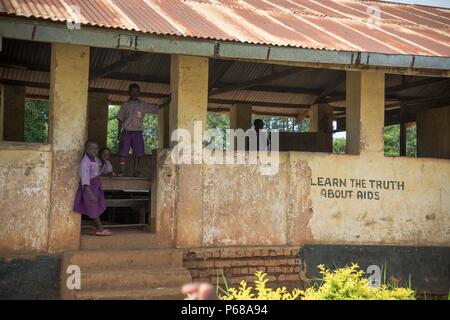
(120, 240)
(125, 266)
(126, 274)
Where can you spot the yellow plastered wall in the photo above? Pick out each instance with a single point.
(25, 172)
(242, 207)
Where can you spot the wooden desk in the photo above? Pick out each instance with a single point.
(125, 183)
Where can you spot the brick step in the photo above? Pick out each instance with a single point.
(122, 259)
(134, 278)
(120, 240)
(163, 293)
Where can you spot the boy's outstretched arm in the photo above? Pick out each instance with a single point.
(153, 108)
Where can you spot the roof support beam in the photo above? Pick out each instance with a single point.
(91, 89)
(258, 103)
(340, 78)
(415, 84)
(225, 65)
(134, 56)
(161, 95)
(254, 82)
(391, 90)
(35, 30)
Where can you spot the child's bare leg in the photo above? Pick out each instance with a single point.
(98, 224)
(136, 166)
(123, 162)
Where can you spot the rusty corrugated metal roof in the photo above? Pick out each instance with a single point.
(347, 25)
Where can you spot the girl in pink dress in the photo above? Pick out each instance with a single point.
(89, 199)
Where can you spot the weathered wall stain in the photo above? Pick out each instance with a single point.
(163, 219)
(24, 199)
(64, 224)
(301, 208)
(243, 207)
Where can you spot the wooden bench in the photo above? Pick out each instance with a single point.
(126, 203)
(125, 184)
(128, 184)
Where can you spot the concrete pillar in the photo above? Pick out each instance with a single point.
(69, 76)
(189, 89)
(433, 133)
(13, 113)
(402, 131)
(98, 105)
(163, 127)
(241, 116)
(2, 110)
(365, 112)
(321, 122)
(402, 139)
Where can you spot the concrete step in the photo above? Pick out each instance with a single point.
(122, 259)
(134, 278)
(163, 293)
(125, 240)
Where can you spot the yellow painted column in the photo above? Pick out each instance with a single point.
(433, 133)
(69, 78)
(98, 106)
(2, 110)
(365, 112)
(163, 127)
(189, 89)
(13, 113)
(241, 116)
(321, 122)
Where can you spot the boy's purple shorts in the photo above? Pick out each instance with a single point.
(133, 140)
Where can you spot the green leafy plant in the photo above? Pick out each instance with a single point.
(261, 292)
(347, 283)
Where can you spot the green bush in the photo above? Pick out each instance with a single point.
(346, 283)
(349, 283)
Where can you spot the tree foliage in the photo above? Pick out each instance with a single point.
(284, 124)
(339, 145)
(36, 121)
(392, 141)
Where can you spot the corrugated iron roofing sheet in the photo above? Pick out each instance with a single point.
(350, 25)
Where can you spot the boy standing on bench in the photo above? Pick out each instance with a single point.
(131, 117)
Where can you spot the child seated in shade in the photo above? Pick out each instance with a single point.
(104, 165)
(89, 199)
